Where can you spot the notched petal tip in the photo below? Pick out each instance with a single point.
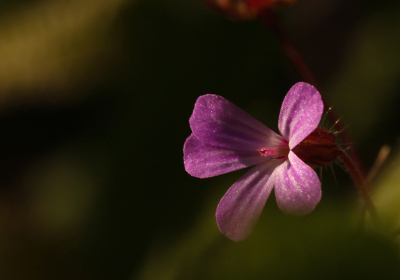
(188, 160)
(218, 122)
(300, 113)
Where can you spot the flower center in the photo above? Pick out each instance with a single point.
(266, 152)
(317, 149)
(279, 153)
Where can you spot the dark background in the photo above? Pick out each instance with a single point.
(95, 98)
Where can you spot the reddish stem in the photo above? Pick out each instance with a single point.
(269, 20)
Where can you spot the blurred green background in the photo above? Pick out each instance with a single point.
(95, 98)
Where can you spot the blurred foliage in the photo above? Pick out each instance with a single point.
(95, 98)
(370, 74)
(386, 192)
(46, 46)
(324, 245)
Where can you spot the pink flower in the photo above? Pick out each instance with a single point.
(225, 138)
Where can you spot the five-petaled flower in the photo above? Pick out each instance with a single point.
(225, 138)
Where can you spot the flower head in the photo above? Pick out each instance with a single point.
(244, 9)
(225, 138)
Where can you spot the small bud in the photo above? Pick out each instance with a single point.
(244, 9)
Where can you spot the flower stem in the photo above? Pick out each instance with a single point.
(270, 22)
(360, 183)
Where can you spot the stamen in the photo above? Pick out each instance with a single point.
(266, 152)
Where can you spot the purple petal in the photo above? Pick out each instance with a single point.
(218, 122)
(239, 209)
(300, 113)
(297, 186)
(203, 161)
